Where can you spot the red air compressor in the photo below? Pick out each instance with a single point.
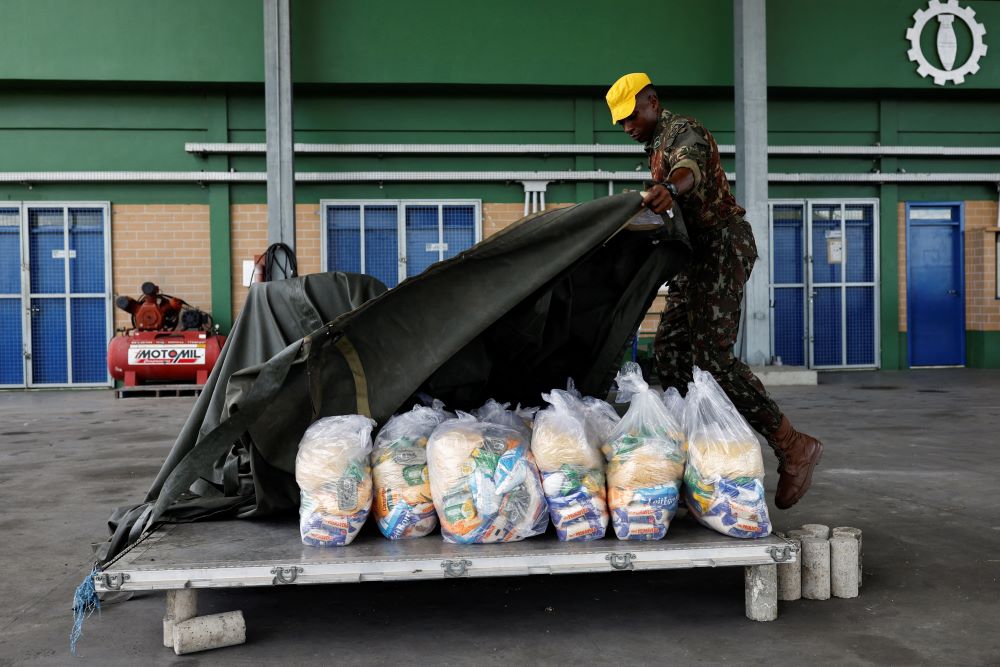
(170, 342)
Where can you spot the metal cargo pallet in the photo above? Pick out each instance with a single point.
(230, 554)
(158, 390)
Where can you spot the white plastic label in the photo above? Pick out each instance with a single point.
(166, 355)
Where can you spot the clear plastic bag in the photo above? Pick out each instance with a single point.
(645, 461)
(724, 477)
(335, 480)
(675, 406)
(568, 455)
(484, 482)
(499, 413)
(403, 505)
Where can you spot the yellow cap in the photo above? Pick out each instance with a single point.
(621, 95)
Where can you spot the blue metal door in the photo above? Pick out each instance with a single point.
(11, 302)
(824, 278)
(935, 290)
(67, 293)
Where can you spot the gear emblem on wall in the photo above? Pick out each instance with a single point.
(947, 43)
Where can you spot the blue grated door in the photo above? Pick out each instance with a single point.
(395, 240)
(69, 295)
(824, 281)
(788, 283)
(11, 303)
(842, 279)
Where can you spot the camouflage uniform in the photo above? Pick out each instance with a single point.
(702, 317)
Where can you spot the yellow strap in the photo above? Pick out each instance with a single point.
(358, 371)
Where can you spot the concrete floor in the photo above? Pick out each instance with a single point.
(912, 458)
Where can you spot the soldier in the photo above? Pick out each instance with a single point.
(701, 320)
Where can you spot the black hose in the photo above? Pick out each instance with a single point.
(274, 262)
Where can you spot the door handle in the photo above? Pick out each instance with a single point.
(953, 292)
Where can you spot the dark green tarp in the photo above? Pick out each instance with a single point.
(557, 295)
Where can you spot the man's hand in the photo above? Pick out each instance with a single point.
(658, 199)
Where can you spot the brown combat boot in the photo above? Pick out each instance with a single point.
(797, 454)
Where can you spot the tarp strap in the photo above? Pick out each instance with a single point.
(358, 372)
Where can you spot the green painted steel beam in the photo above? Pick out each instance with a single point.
(888, 244)
(220, 223)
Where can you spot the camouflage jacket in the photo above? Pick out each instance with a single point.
(680, 141)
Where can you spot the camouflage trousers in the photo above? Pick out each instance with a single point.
(701, 320)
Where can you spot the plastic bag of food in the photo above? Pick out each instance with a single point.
(645, 461)
(403, 504)
(334, 476)
(724, 478)
(484, 482)
(568, 455)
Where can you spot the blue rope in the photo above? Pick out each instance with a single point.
(85, 601)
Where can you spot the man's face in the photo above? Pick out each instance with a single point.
(641, 124)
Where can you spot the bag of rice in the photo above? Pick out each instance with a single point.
(645, 461)
(484, 482)
(724, 477)
(335, 480)
(403, 506)
(568, 455)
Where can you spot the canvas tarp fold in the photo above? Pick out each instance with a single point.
(557, 295)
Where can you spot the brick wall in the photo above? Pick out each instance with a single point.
(166, 244)
(249, 238)
(982, 309)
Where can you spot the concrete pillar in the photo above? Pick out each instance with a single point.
(207, 632)
(856, 534)
(278, 118)
(844, 566)
(182, 605)
(815, 568)
(761, 584)
(750, 76)
(817, 530)
(790, 575)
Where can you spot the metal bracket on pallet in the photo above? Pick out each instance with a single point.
(621, 561)
(781, 554)
(285, 575)
(456, 568)
(112, 580)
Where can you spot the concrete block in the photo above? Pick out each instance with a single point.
(844, 566)
(202, 633)
(790, 575)
(817, 530)
(815, 568)
(856, 534)
(785, 376)
(761, 582)
(182, 605)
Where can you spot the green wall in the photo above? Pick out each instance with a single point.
(122, 85)
(982, 349)
(848, 44)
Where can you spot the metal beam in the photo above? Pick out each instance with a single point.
(750, 65)
(27, 178)
(209, 148)
(278, 112)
